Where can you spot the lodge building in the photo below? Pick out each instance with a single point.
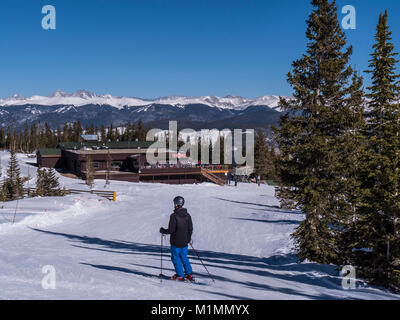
(126, 161)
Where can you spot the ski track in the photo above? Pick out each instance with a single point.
(106, 250)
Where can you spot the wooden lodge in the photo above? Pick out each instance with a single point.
(126, 161)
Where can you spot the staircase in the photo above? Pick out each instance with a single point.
(212, 177)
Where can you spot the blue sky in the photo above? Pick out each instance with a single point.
(152, 48)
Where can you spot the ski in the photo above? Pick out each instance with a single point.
(164, 277)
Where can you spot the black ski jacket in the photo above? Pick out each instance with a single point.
(180, 228)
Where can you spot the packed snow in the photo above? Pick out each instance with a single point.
(101, 249)
(83, 97)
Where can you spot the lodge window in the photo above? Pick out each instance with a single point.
(96, 165)
(116, 165)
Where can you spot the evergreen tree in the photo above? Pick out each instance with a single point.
(141, 131)
(376, 228)
(47, 184)
(2, 139)
(264, 165)
(110, 133)
(351, 160)
(3, 191)
(103, 133)
(311, 134)
(13, 184)
(40, 182)
(8, 137)
(65, 136)
(49, 137)
(32, 139)
(58, 135)
(52, 184)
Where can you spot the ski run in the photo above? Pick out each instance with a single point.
(100, 249)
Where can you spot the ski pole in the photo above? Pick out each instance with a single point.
(201, 262)
(161, 254)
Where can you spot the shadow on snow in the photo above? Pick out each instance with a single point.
(268, 221)
(284, 268)
(265, 207)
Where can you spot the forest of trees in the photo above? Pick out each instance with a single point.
(339, 147)
(38, 135)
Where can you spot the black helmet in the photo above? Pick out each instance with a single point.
(179, 201)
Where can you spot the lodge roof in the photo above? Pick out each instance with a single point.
(90, 137)
(104, 145)
(49, 152)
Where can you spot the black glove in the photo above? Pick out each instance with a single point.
(163, 231)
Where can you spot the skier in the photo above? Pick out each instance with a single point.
(180, 228)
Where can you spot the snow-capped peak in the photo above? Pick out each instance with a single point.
(16, 97)
(84, 94)
(59, 94)
(83, 97)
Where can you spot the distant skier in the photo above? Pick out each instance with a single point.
(180, 228)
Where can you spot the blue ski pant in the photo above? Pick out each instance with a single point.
(180, 260)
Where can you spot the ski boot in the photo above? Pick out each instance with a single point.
(177, 278)
(190, 278)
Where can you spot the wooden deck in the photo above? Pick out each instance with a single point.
(167, 175)
(190, 175)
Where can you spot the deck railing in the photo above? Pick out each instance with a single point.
(110, 195)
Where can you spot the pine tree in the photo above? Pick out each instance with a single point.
(2, 139)
(58, 135)
(3, 191)
(273, 163)
(103, 133)
(141, 131)
(47, 184)
(110, 133)
(311, 134)
(351, 160)
(13, 184)
(40, 182)
(49, 138)
(264, 165)
(52, 184)
(377, 225)
(26, 137)
(8, 137)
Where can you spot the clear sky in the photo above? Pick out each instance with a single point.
(152, 48)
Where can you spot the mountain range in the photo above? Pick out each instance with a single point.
(203, 112)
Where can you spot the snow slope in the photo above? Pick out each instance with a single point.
(106, 250)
